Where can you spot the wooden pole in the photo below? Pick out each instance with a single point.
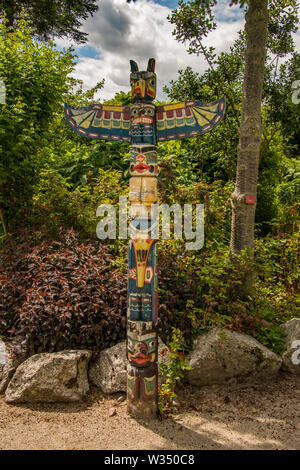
(142, 339)
(142, 125)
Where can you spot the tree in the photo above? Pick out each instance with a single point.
(194, 20)
(48, 18)
(245, 192)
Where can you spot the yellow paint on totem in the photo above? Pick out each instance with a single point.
(150, 385)
(141, 248)
(141, 84)
(112, 108)
(83, 120)
(169, 107)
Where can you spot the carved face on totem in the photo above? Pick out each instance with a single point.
(143, 84)
(143, 161)
(141, 352)
(141, 344)
(142, 123)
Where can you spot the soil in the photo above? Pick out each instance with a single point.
(264, 416)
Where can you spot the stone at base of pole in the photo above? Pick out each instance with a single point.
(142, 399)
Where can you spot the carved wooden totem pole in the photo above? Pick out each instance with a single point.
(143, 125)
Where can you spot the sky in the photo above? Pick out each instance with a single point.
(120, 31)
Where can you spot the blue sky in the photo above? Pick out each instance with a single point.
(168, 3)
(120, 31)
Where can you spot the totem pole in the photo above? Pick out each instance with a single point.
(143, 125)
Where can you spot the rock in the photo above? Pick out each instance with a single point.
(8, 365)
(291, 354)
(109, 370)
(227, 356)
(50, 377)
(112, 412)
(121, 399)
(3, 356)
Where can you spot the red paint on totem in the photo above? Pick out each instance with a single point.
(140, 358)
(150, 93)
(141, 167)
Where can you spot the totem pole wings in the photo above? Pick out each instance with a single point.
(173, 121)
(188, 119)
(99, 121)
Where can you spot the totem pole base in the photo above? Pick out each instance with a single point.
(142, 409)
(142, 392)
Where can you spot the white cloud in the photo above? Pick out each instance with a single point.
(120, 31)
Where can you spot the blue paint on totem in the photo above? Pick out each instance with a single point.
(142, 300)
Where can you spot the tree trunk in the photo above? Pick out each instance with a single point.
(244, 196)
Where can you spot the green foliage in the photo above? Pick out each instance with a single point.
(53, 180)
(55, 18)
(281, 83)
(204, 289)
(194, 20)
(79, 162)
(56, 203)
(173, 371)
(121, 99)
(35, 76)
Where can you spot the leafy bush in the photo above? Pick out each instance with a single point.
(35, 76)
(61, 295)
(173, 371)
(56, 204)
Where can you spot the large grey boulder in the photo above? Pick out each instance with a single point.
(291, 354)
(50, 377)
(8, 365)
(221, 356)
(3, 357)
(109, 370)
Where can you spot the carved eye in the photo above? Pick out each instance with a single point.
(152, 344)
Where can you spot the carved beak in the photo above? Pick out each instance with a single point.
(139, 88)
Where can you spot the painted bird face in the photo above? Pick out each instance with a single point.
(141, 352)
(143, 84)
(143, 161)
